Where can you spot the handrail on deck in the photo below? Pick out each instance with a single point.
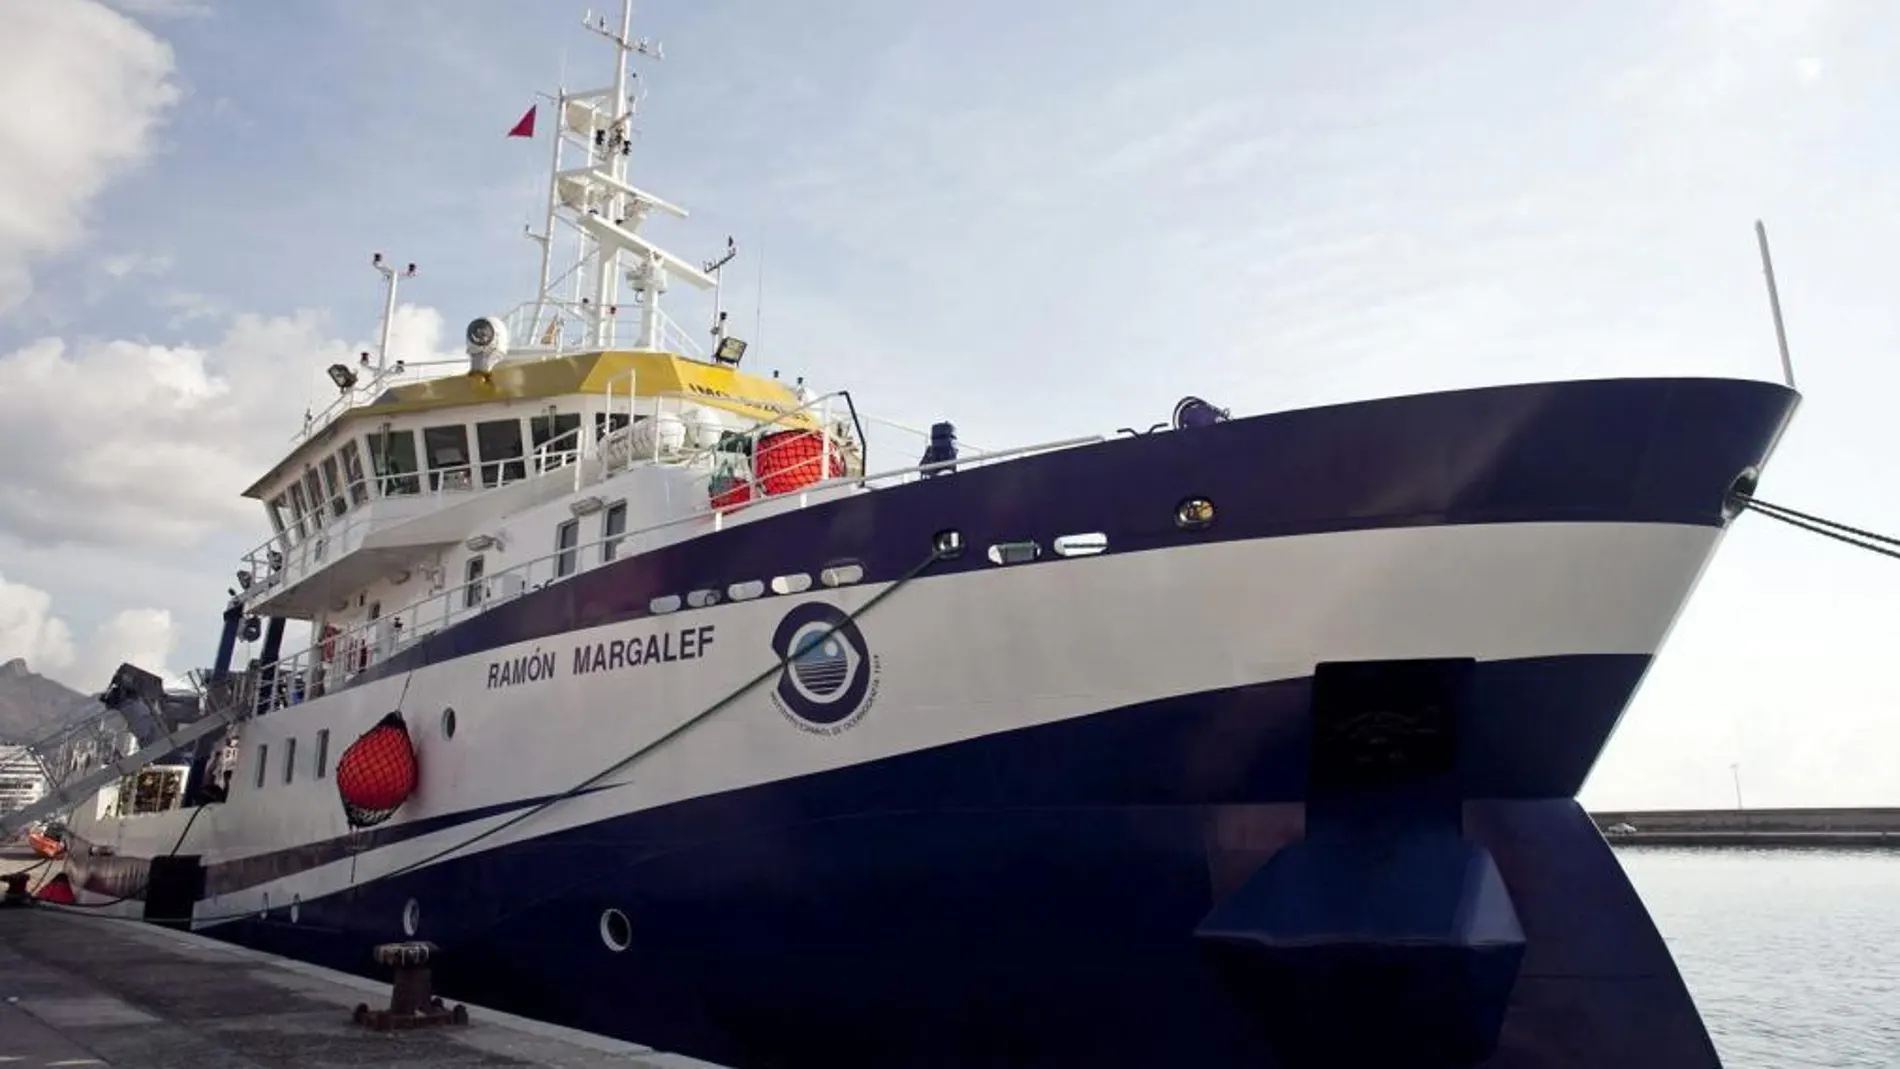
(290, 675)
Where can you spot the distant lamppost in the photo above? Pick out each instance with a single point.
(1735, 771)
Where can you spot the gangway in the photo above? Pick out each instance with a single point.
(161, 742)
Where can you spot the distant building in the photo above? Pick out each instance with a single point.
(21, 781)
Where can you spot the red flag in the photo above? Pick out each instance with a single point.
(525, 128)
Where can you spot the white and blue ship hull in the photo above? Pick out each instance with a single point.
(1104, 810)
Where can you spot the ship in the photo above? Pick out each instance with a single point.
(666, 707)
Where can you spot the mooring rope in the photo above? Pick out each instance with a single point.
(1885, 545)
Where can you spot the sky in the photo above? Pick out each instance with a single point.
(1268, 204)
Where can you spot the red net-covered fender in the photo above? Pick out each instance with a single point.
(58, 890)
(792, 460)
(377, 773)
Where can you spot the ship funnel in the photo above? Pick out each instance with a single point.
(487, 344)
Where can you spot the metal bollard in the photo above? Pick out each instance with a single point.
(412, 1001)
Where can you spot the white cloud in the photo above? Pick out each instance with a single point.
(86, 98)
(28, 629)
(163, 9)
(187, 306)
(150, 445)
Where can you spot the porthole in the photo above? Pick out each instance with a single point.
(947, 544)
(448, 723)
(745, 591)
(795, 583)
(1194, 514)
(615, 930)
(1081, 545)
(411, 917)
(1014, 552)
(663, 604)
(841, 574)
(699, 599)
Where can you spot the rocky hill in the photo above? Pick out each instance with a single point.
(33, 706)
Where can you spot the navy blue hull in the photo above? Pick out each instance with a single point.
(1025, 899)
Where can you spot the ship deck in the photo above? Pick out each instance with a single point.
(78, 990)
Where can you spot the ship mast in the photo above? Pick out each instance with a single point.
(614, 158)
(606, 212)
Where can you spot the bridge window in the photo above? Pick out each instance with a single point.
(263, 764)
(290, 760)
(299, 509)
(333, 487)
(393, 454)
(566, 537)
(555, 434)
(313, 488)
(500, 443)
(447, 450)
(323, 753)
(352, 458)
(279, 510)
(613, 524)
(472, 580)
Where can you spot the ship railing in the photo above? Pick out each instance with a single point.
(836, 436)
(336, 525)
(370, 385)
(554, 327)
(736, 504)
(307, 538)
(348, 652)
(616, 448)
(310, 537)
(734, 482)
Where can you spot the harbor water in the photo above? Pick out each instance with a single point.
(1790, 953)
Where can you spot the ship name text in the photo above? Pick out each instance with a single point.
(665, 647)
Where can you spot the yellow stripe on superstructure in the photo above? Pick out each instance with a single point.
(654, 374)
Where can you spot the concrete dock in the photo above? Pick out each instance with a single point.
(86, 991)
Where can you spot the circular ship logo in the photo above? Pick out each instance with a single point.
(829, 679)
